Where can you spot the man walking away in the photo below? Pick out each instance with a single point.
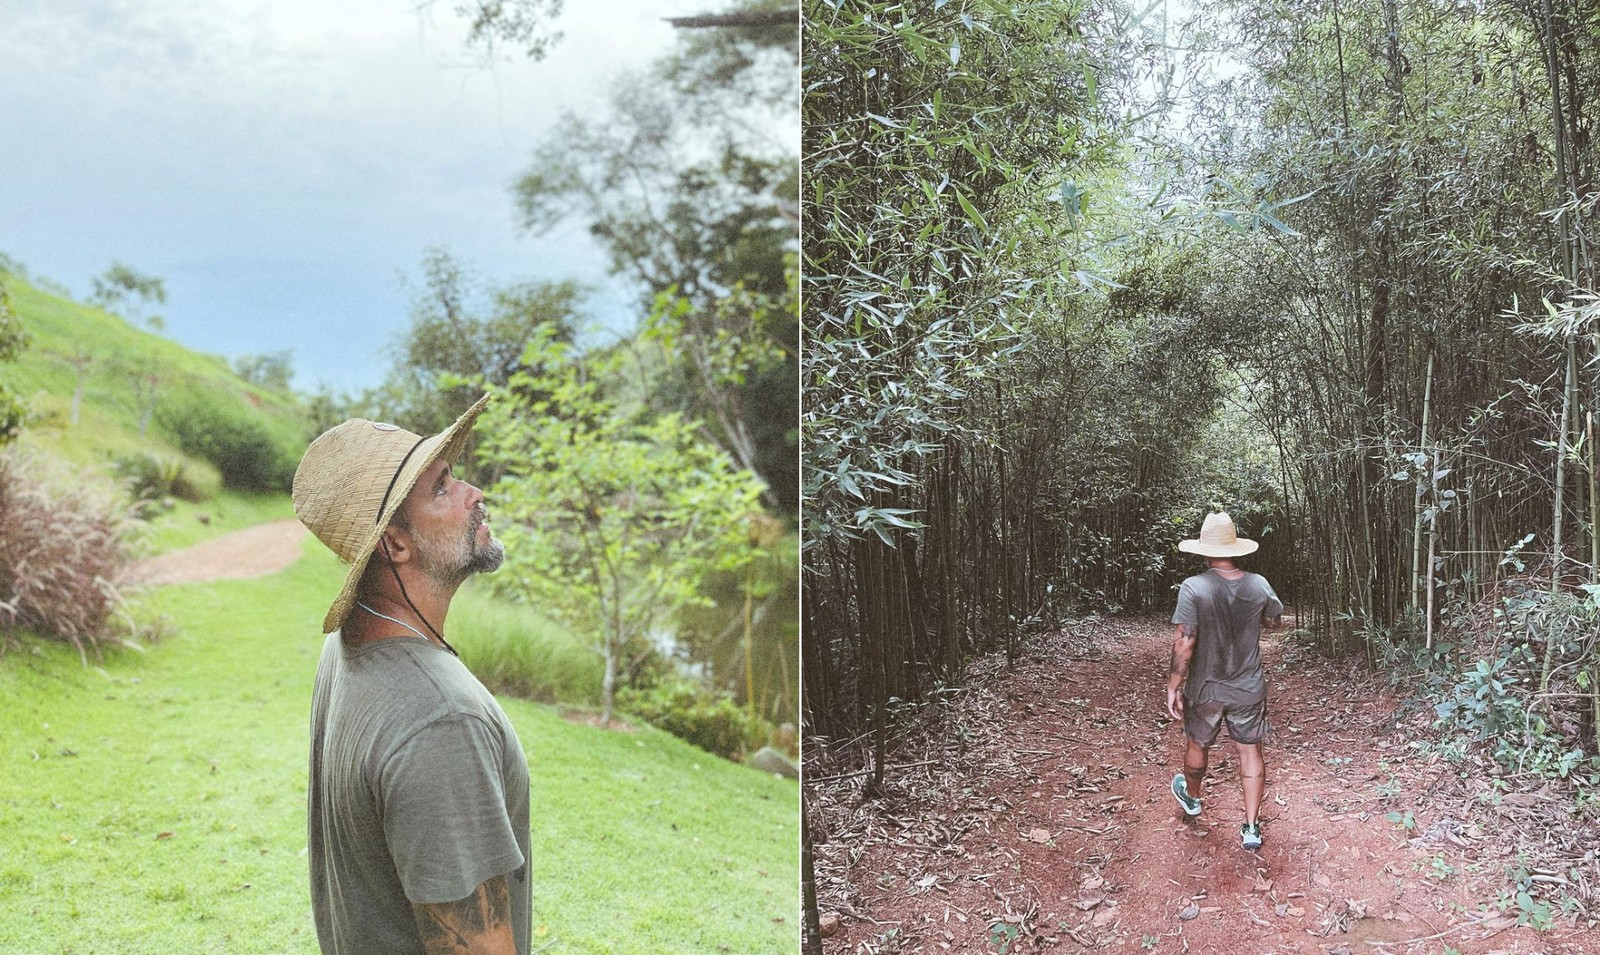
(1216, 667)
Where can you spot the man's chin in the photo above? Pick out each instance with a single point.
(488, 558)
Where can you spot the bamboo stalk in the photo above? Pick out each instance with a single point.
(1417, 506)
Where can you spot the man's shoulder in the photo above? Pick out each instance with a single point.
(415, 683)
(1259, 580)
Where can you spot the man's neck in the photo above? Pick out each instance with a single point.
(1225, 567)
(432, 605)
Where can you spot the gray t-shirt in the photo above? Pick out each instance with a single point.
(1225, 618)
(418, 793)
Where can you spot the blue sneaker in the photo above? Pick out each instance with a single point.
(1180, 789)
(1250, 835)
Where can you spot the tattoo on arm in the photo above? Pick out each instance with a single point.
(479, 924)
(1182, 650)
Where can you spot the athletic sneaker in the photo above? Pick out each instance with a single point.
(1180, 789)
(1250, 835)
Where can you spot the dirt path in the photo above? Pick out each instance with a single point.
(1039, 818)
(253, 552)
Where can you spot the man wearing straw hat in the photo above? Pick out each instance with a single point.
(1216, 667)
(418, 791)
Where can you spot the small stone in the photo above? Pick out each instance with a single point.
(829, 924)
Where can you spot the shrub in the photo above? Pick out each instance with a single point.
(708, 719)
(150, 477)
(60, 552)
(243, 448)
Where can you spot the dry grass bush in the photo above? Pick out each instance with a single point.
(61, 552)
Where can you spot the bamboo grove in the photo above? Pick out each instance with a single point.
(1063, 290)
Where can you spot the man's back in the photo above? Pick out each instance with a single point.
(1225, 616)
(418, 792)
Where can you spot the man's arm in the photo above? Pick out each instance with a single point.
(1182, 650)
(479, 924)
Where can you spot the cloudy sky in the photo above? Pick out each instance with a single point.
(283, 165)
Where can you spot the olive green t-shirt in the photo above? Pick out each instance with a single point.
(418, 792)
(1225, 617)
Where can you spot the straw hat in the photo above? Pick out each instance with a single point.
(1218, 538)
(354, 478)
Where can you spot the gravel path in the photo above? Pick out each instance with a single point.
(253, 552)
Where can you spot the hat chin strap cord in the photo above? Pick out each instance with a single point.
(392, 569)
(413, 606)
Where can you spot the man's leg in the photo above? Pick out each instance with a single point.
(1253, 772)
(1195, 759)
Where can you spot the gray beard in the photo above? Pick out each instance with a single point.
(450, 570)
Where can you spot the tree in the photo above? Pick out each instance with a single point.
(272, 371)
(524, 24)
(121, 288)
(464, 339)
(692, 188)
(82, 361)
(611, 516)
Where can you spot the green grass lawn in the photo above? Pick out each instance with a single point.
(156, 803)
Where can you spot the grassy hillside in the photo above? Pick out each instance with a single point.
(157, 803)
(61, 330)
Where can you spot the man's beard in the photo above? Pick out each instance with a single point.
(449, 562)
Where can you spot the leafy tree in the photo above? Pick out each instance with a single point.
(121, 289)
(457, 346)
(272, 371)
(689, 184)
(611, 517)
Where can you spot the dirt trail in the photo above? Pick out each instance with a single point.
(252, 552)
(1038, 817)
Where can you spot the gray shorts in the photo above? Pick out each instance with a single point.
(1247, 722)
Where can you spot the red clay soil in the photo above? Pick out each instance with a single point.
(252, 552)
(1038, 816)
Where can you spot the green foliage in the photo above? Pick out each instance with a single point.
(734, 357)
(151, 477)
(614, 517)
(1494, 699)
(463, 340)
(709, 719)
(694, 198)
(245, 450)
(273, 371)
(13, 339)
(123, 290)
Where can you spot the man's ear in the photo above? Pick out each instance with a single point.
(395, 544)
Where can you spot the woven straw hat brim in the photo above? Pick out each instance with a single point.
(1240, 547)
(356, 544)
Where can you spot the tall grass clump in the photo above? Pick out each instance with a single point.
(517, 653)
(61, 551)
